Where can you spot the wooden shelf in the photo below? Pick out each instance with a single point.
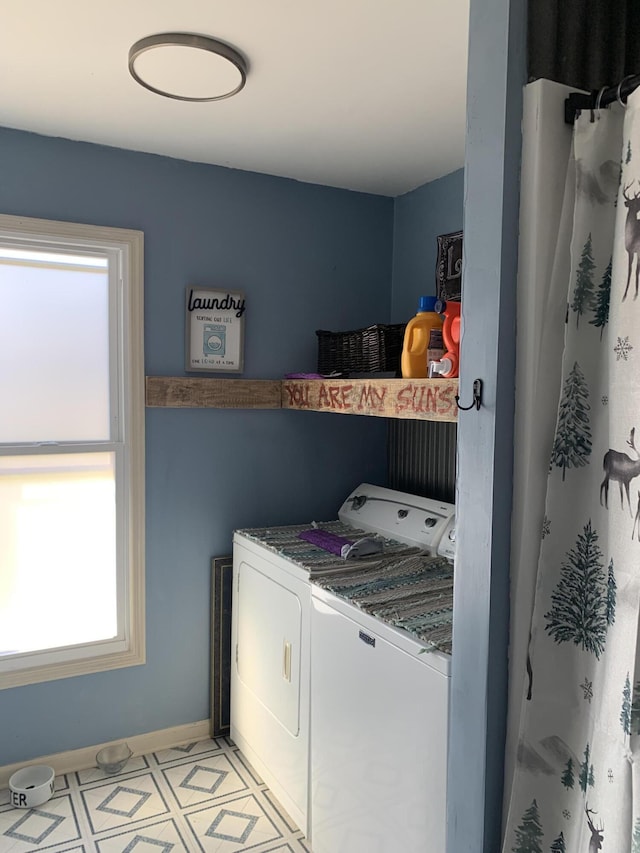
(417, 399)
(197, 393)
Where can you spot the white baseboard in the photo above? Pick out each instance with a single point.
(81, 759)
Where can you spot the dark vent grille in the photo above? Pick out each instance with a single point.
(422, 458)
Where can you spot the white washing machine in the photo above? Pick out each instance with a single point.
(339, 711)
(380, 700)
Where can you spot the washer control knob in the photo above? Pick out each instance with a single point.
(452, 534)
(430, 521)
(403, 513)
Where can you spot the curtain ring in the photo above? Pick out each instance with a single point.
(598, 99)
(618, 98)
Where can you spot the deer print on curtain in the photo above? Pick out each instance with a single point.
(576, 787)
(621, 467)
(632, 235)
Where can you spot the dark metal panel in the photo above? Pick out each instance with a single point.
(422, 458)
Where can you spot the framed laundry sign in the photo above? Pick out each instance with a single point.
(214, 334)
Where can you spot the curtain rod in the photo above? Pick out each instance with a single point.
(578, 101)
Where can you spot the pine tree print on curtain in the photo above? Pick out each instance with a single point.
(635, 709)
(572, 444)
(625, 713)
(558, 845)
(529, 833)
(579, 610)
(611, 595)
(583, 292)
(586, 778)
(568, 778)
(601, 301)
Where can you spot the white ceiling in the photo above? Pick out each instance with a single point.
(367, 95)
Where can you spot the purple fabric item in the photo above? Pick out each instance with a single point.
(327, 541)
(303, 376)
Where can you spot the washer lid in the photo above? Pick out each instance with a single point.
(411, 519)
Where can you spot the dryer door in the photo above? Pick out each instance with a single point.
(268, 644)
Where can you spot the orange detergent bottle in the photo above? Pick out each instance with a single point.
(422, 340)
(448, 365)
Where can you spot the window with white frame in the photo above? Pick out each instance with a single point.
(71, 450)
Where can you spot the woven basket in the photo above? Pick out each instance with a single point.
(375, 349)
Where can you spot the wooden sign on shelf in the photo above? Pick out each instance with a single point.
(420, 399)
(426, 399)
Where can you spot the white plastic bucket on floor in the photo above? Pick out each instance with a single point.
(32, 786)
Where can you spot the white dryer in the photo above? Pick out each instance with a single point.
(270, 626)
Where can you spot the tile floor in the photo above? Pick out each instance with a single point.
(199, 798)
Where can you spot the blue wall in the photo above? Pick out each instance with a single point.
(420, 216)
(307, 257)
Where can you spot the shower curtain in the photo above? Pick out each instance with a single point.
(576, 781)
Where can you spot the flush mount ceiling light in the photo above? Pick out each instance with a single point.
(187, 67)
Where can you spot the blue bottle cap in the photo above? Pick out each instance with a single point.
(427, 303)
